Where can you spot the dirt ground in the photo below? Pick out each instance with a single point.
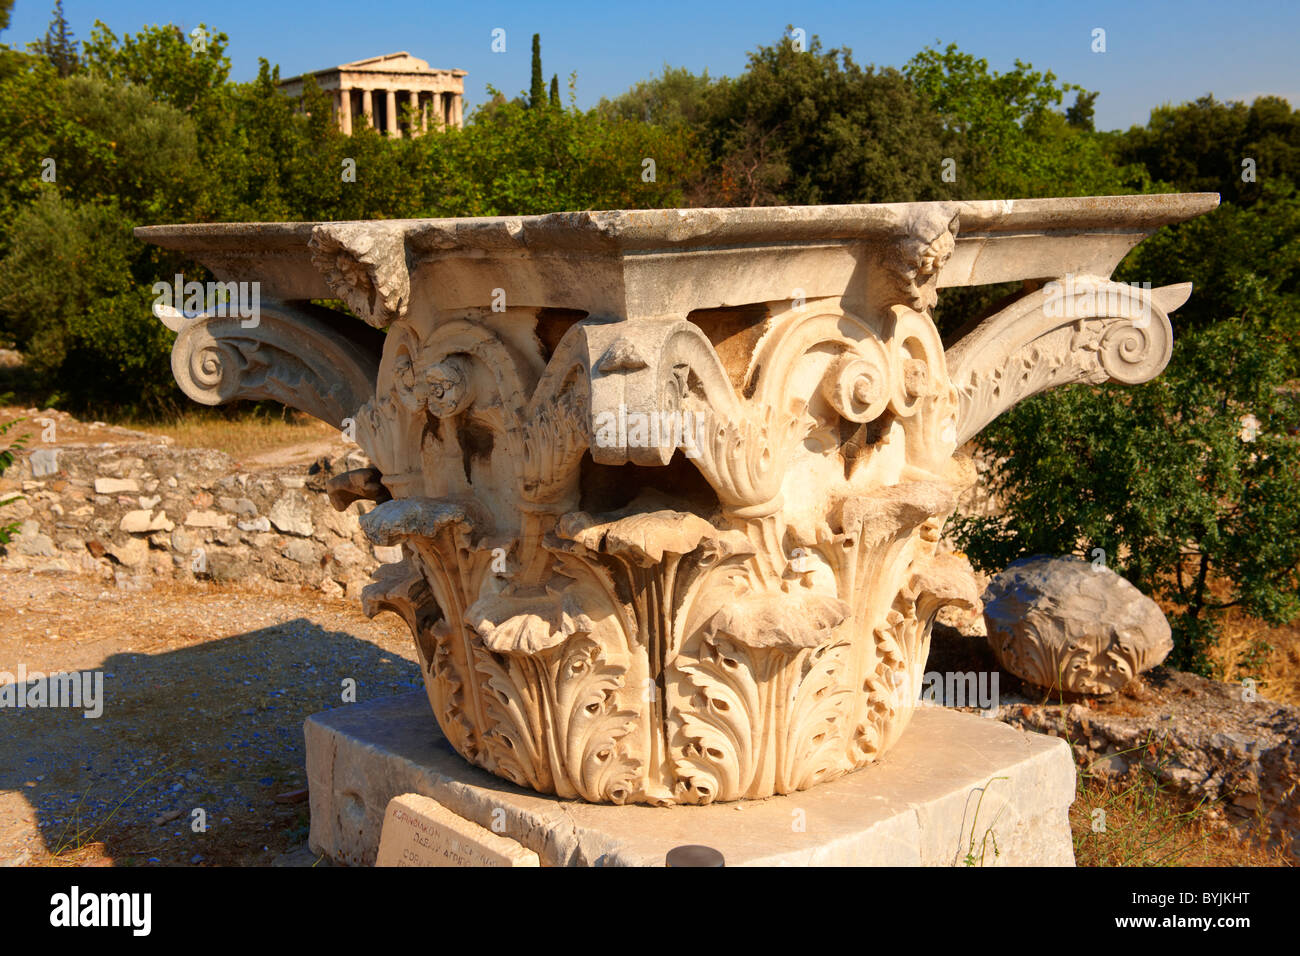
(205, 689)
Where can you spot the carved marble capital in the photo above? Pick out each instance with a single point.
(670, 484)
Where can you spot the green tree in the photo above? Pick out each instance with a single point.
(27, 132)
(164, 61)
(555, 89)
(1080, 115)
(1235, 150)
(514, 160)
(1018, 144)
(675, 97)
(537, 88)
(78, 308)
(57, 46)
(815, 127)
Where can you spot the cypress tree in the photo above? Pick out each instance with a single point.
(58, 46)
(537, 91)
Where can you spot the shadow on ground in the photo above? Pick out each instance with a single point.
(209, 734)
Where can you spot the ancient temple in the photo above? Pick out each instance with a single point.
(379, 91)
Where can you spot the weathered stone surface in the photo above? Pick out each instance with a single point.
(115, 486)
(138, 522)
(303, 552)
(292, 514)
(227, 568)
(418, 831)
(240, 506)
(133, 553)
(32, 543)
(681, 499)
(388, 554)
(45, 462)
(206, 519)
(348, 554)
(1069, 624)
(916, 808)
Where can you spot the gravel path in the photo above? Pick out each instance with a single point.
(205, 689)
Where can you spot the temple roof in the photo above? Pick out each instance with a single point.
(400, 62)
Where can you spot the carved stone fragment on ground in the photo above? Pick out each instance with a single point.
(1069, 624)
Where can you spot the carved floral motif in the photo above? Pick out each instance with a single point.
(740, 610)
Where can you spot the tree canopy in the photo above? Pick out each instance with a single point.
(149, 128)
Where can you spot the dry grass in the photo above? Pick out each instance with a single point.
(243, 436)
(1271, 655)
(1147, 825)
(1137, 820)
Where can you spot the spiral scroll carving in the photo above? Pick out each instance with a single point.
(666, 537)
(1081, 329)
(293, 354)
(1131, 353)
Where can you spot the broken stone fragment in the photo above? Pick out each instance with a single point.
(360, 484)
(113, 486)
(132, 554)
(291, 514)
(45, 462)
(206, 519)
(143, 521)
(1069, 624)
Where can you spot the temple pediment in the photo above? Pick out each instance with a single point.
(401, 62)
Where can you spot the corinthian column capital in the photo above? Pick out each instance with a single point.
(670, 484)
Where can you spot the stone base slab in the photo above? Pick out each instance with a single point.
(956, 787)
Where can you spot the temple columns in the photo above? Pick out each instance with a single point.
(390, 110)
(345, 111)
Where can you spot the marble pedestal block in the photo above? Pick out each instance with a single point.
(955, 787)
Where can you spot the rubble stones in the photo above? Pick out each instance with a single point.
(45, 462)
(115, 511)
(291, 514)
(114, 486)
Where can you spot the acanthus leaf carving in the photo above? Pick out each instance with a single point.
(1073, 330)
(739, 610)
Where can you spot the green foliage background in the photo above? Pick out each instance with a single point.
(145, 129)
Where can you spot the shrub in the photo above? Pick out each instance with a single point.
(1185, 495)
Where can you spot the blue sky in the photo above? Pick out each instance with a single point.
(1156, 52)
